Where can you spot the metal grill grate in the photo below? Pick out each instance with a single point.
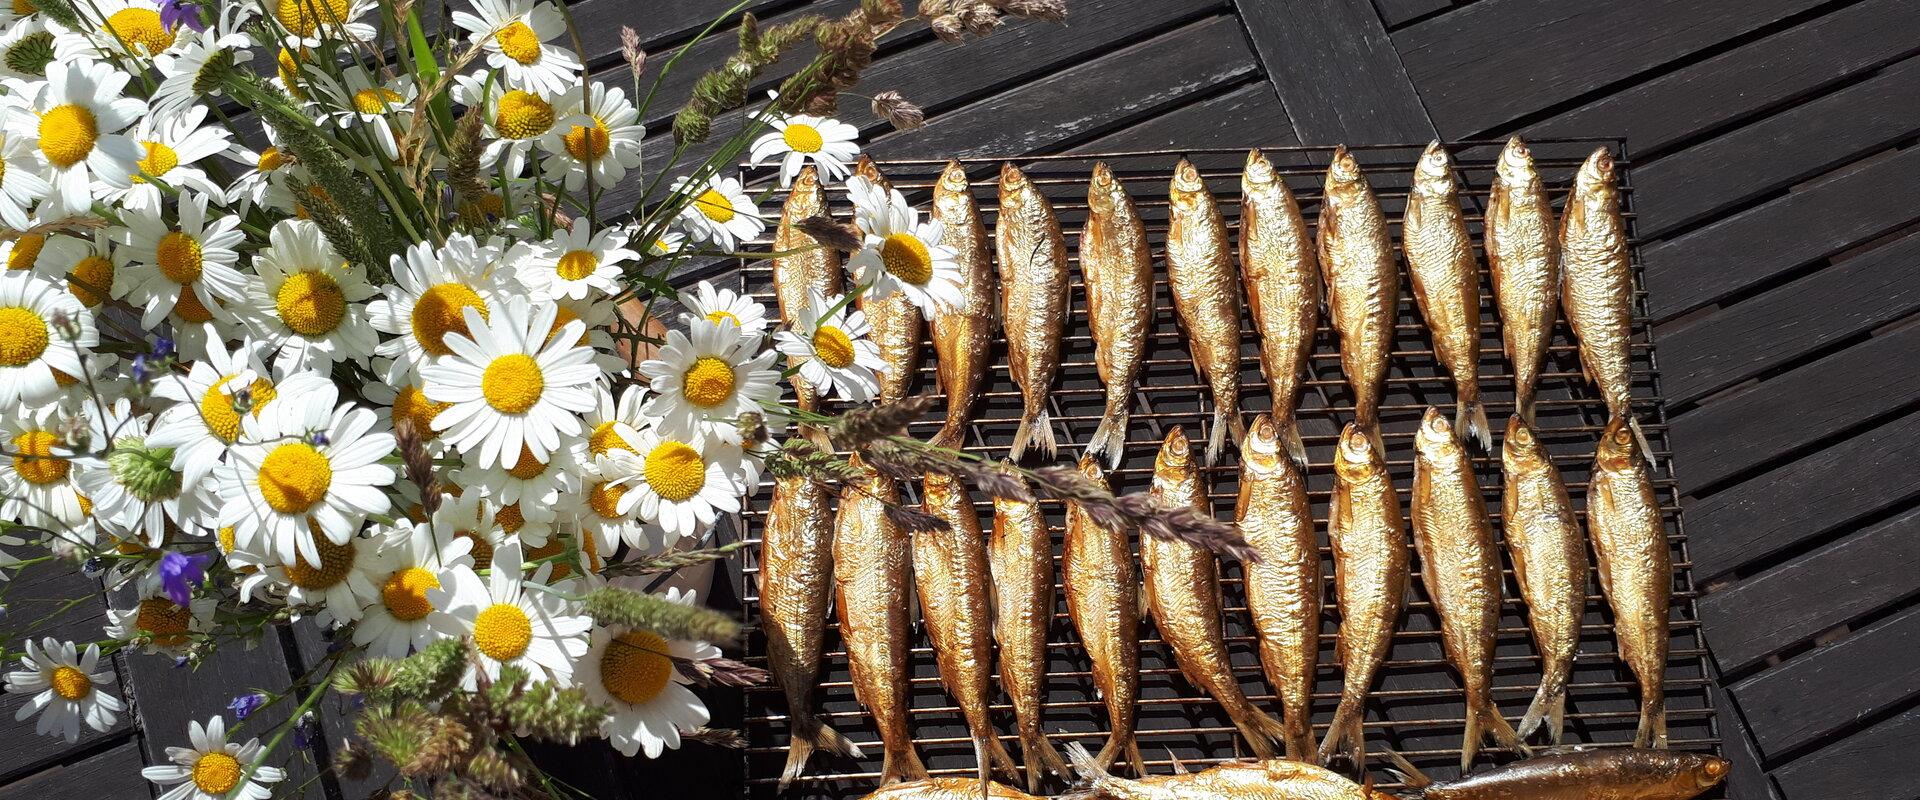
(1416, 706)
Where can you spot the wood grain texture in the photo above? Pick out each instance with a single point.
(1397, 12)
(38, 593)
(1321, 55)
(112, 774)
(1819, 693)
(1243, 116)
(1876, 762)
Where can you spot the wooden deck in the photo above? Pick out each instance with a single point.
(1776, 151)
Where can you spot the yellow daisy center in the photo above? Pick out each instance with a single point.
(405, 593)
(528, 467)
(833, 347)
(271, 159)
(587, 143)
(605, 439)
(907, 258)
(577, 264)
(70, 683)
(411, 405)
(304, 17)
(225, 539)
(164, 621)
(522, 115)
(375, 100)
(636, 667)
(90, 280)
(519, 42)
(34, 459)
(510, 519)
(294, 478)
(802, 138)
(289, 68)
(160, 159)
(502, 631)
(23, 336)
(336, 560)
(26, 251)
(438, 313)
(189, 306)
(67, 134)
(24, 7)
(512, 383)
(482, 550)
(675, 471)
(604, 499)
(216, 407)
(139, 29)
(709, 382)
(216, 773)
(179, 257)
(723, 318)
(715, 206)
(311, 303)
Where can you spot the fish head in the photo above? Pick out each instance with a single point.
(1520, 449)
(1434, 173)
(1596, 174)
(1090, 467)
(807, 181)
(1354, 458)
(865, 168)
(1343, 171)
(1436, 433)
(1187, 189)
(1176, 450)
(1101, 191)
(1712, 771)
(1260, 450)
(938, 486)
(1617, 446)
(1685, 774)
(953, 179)
(1516, 162)
(1173, 471)
(1259, 169)
(1013, 184)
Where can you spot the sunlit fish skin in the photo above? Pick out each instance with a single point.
(1117, 267)
(1596, 280)
(807, 266)
(1636, 569)
(1103, 600)
(1363, 286)
(1371, 578)
(1523, 252)
(1206, 293)
(963, 336)
(1460, 567)
(1446, 284)
(950, 572)
(872, 579)
(1284, 588)
(898, 325)
(1033, 294)
(1266, 779)
(1591, 773)
(1282, 275)
(949, 789)
(1021, 556)
(796, 571)
(1550, 561)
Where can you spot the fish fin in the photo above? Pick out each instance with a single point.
(1179, 767)
(1042, 757)
(1405, 772)
(1110, 438)
(1640, 439)
(1373, 435)
(1020, 437)
(1496, 726)
(1227, 422)
(1549, 701)
(1002, 760)
(1557, 718)
(1260, 730)
(1290, 436)
(803, 746)
(1470, 740)
(1344, 726)
(901, 765)
(1653, 723)
(1139, 762)
(1471, 421)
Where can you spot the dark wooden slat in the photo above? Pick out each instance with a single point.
(1819, 693)
(1798, 600)
(1779, 150)
(1323, 56)
(36, 592)
(112, 774)
(1768, 330)
(1708, 264)
(1747, 780)
(1699, 97)
(1396, 12)
(1243, 116)
(335, 713)
(657, 21)
(1876, 762)
(1804, 500)
(1497, 60)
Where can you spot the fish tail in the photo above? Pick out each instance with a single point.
(901, 764)
(1092, 771)
(1653, 722)
(1549, 705)
(1373, 435)
(998, 755)
(1140, 763)
(1110, 438)
(821, 737)
(1405, 772)
(1259, 728)
(1640, 438)
(1036, 430)
(1122, 744)
(1041, 757)
(1470, 418)
(1496, 726)
(1290, 436)
(1557, 717)
(1346, 729)
(1226, 421)
(1470, 740)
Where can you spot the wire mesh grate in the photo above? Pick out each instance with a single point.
(1416, 706)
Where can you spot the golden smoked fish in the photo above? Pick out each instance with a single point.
(1550, 560)
(809, 267)
(1596, 286)
(1283, 289)
(1021, 556)
(1183, 593)
(796, 571)
(872, 573)
(1284, 588)
(1446, 284)
(1461, 570)
(897, 322)
(1033, 295)
(1206, 292)
(1103, 600)
(1636, 569)
(1591, 773)
(950, 571)
(1118, 271)
(963, 336)
(1523, 252)
(1266, 779)
(949, 789)
(1363, 286)
(1370, 579)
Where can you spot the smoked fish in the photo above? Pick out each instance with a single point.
(809, 267)
(1550, 560)
(1370, 579)
(1266, 779)
(1523, 252)
(963, 336)
(950, 571)
(1446, 284)
(1284, 588)
(796, 571)
(1591, 773)
(1033, 294)
(1206, 293)
(1597, 286)
(949, 789)
(1021, 557)
(1282, 275)
(1636, 569)
(1118, 270)
(872, 580)
(897, 322)
(1103, 600)
(1363, 286)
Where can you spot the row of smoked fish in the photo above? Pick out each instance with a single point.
(872, 566)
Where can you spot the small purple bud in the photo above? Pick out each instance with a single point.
(162, 347)
(92, 567)
(318, 439)
(181, 574)
(180, 663)
(140, 368)
(246, 704)
(304, 732)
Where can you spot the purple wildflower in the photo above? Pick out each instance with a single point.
(246, 704)
(174, 12)
(181, 574)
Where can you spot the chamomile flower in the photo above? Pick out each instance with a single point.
(470, 517)
(516, 36)
(65, 689)
(173, 145)
(681, 486)
(669, 243)
(113, 29)
(304, 471)
(706, 378)
(307, 304)
(309, 23)
(529, 479)
(214, 768)
(75, 119)
(337, 585)
(26, 47)
(599, 515)
(166, 627)
(576, 262)
(37, 474)
(377, 106)
(725, 307)
(43, 332)
(834, 348)
(416, 560)
(512, 384)
(515, 119)
(434, 287)
(720, 213)
(901, 251)
(597, 140)
(632, 672)
(20, 183)
(187, 71)
(613, 425)
(135, 490)
(209, 400)
(801, 138)
(185, 268)
(535, 631)
(86, 265)
(264, 184)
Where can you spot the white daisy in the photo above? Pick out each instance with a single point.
(85, 264)
(164, 627)
(62, 682)
(26, 46)
(535, 631)
(135, 491)
(669, 243)
(601, 316)
(221, 45)
(186, 269)
(801, 138)
(512, 384)
(306, 470)
(720, 212)
(598, 513)
(834, 348)
(308, 23)
(214, 768)
(530, 524)
(680, 485)
(515, 34)
(172, 145)
(901, 252)
(307, 303)
(702, 382)
(75, 119)
(515, 119)
(725, 307)
(20, 183)
(264, 184)
(574, 263)
(416, 560)
(434, 287)
(210, 398)
(598, 139)
(115, 29)
(369, 104)
(632, 671)
(338, 584)
(613, 425)
(529, 479)
(473, 519)
(37, 475)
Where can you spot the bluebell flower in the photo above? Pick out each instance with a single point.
(174, 12)
(180, 574)
(246, 704)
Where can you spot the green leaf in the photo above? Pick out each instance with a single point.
(426, 72)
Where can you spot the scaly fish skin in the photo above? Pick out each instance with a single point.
(1461, 569)
(1523, 251)
(1033, 293)
(872, 577)
(897, 323)
(1363, 287)
(1206, 292)
(1550, 561)
(950, 571)
(1446, 284)
(1021, 556)
(1117, 267)
(1103, 600)
(1183, 591)
(1284, 589)
(1609, 773)
(796, 571)
(812, 267)
(1267, 779)
(963, 336)
(1597, 285)
(1636, 568)
(1370, 579)
(949, 789)
(1282, 275)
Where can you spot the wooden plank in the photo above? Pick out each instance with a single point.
(1709, 264)
(1770, 329)
(658, 22)
(1497, 60)
(1876, 762)
(1336, 71)
(1805, 500)
(112, 774)
(1796, 601)
(335, 714)
(1778, 151)
(1747, 780)
(36, 593)
(1246, 115)
(1817, 694)
(1395, 13)
(1748, 79)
